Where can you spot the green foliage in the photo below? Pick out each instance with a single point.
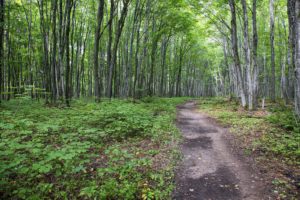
(109, 150)
(285, 141)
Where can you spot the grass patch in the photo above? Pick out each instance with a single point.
(111, 150)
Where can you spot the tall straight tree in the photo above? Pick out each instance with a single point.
(2, 11)
(297, 71)
(110, 40)
(54, 49)
(254, 52)
(272, 36)
(291, 55)
(119, 30)
(236, 58)
(247, 55)
(67, 45)
(96, 49)
(45, 34)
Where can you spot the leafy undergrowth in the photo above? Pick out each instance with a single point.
(272, 136)
(111, 150)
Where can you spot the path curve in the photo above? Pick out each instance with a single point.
(209, 170)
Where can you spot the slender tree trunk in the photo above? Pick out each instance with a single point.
(283, 60)
(297, 71)
(72, 61)
(96, 50)
(120, 26)
(128, 82)
(47, 71)
(60, 69)
(2, 20)
(291, 5)
(137, 59)
(8, 65)
(247, 55)
(67, 43)
(153, 60)
(54, 47)
(164, 47)
(179, 74)
(255, 69)
(272, 35)
(82, 74)
(110, 41)
(77, 64)
(234, 41)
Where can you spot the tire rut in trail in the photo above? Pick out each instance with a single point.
(209, 170)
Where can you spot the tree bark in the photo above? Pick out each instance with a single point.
(254, 54)
(47, 70)
(179, 73)
(297, 71)
(164, 49)
(247, 55)
(54, 49)
(110, 41)
(291, 5)
(67, 43)
(120, 26)
(272, 35)
(234, 43)
(96, 50)
(60, 69)
(2, 21)
(137, 57)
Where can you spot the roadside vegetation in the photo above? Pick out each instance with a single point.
(271, 136)
(111, 150)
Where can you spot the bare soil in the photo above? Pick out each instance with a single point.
(210, 169)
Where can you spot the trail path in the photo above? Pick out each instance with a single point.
(210, 170)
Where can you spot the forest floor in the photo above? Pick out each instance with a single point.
(108, 150)
(124, 149)
(242, 154)
(210, 169)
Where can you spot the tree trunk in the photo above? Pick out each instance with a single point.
(234, 41)
(47, 71)
(67, 43)
(272, 29)
(297, 71)
(137, 58)
(2, 12)
(255, 87)
(96, 50)
(247, 55)
(110, 41)
(164, 49)
(120, 26)
(283, 61)
(178, 78)
(60, 69)
(291, 4)
(54, 47)
(128, 82)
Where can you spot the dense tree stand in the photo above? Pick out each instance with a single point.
(139, 48)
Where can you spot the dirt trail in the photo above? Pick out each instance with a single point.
(209, 170)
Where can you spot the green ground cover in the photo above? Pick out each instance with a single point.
(111, 150)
